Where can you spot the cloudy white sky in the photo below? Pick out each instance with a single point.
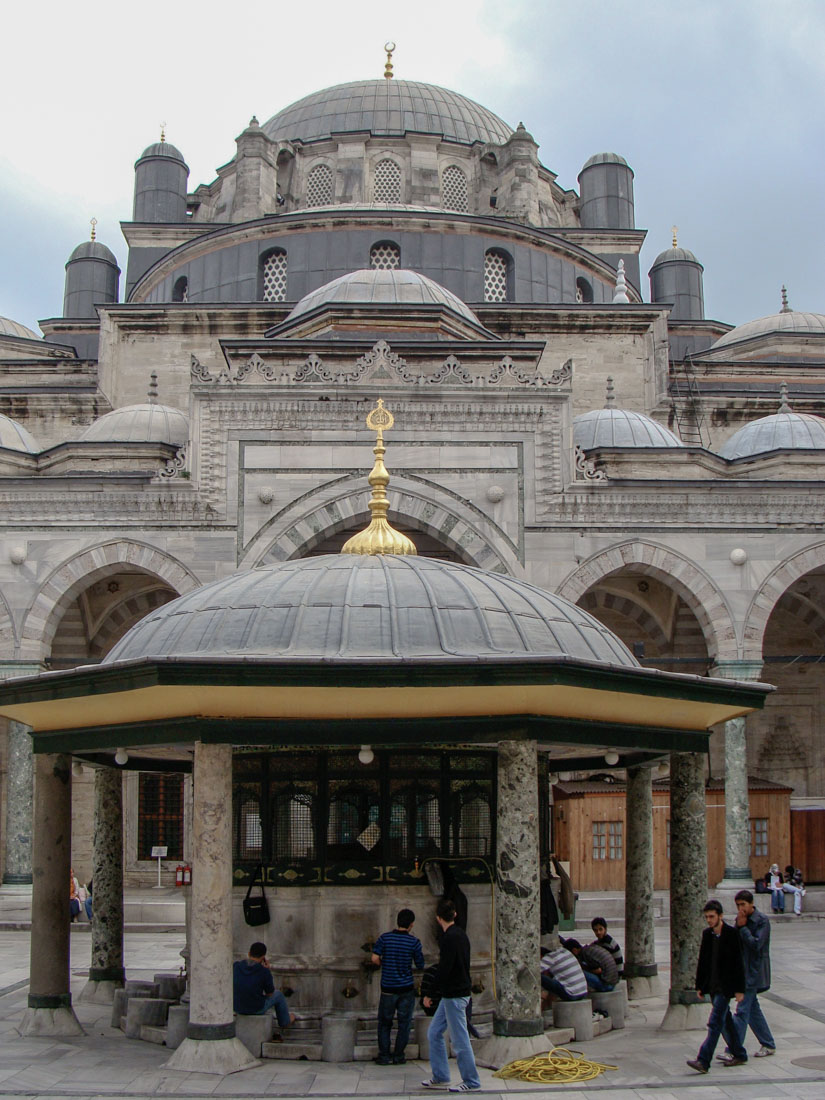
(718, 105)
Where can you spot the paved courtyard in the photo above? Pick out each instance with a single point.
(651, 1064)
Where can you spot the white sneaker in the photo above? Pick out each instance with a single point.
(765, 1052)
(431, 1083)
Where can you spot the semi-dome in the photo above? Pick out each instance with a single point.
(14, 437)
(783, 431)
(386, 108)
(387, 287)
(787, 321)
(146, 423)
(14, 328)
(92, 250)
(392, 609)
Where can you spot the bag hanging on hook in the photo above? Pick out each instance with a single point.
(256, 910)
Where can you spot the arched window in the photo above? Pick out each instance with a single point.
(385, 255)
(496, 275)
(584, 291)
(454, 189)
(319, 186)
(180, 292)
(160, 814)
(387, 182)
(273, 276)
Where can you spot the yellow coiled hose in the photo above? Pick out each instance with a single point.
(557, 1066)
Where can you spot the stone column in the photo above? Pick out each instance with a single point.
(106, 973)
(517, 1025)
(688, 888)
(640, 953)
(210, 1045)
(18, 868)
(50, 1010)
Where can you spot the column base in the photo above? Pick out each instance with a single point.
(219, 1056)
(685, 1012)
(497, 1050)
(101, 992)
(10, 879)
(642, 986)
(736, 878)
(503, 1025)
(50, 1022)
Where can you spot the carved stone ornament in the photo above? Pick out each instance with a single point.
(586, 468)
(381, 363)
(507, 373)
(198, 371)
(175, 466)
(450, 370)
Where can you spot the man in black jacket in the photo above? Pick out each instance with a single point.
(453, 982)
(721, 974)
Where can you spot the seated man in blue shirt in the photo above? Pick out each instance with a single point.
(396, 952)
(253, 990)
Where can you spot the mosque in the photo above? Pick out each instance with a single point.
(612, 462)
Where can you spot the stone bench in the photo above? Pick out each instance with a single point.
(612, 1003)
(254, 1031)
(121, 999)
(338, 1036)
(145, 1010)
(170, 986)
(176, 1025)
(575, 1014)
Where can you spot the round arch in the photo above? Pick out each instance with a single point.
(701, 594)
(317, 515)
(67, 580)
(771, 591)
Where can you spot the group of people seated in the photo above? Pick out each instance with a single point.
(778, 885)
(80, 897)
(570, 970)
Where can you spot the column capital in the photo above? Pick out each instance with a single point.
(737, 670)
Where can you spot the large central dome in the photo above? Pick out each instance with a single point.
(387, 108)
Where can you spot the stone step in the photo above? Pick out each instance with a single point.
(151, 1034)
(293, 1051)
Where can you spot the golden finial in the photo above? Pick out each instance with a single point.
(162, 132)
(675, 230)
(379, 537)
(390, 48)
(93, 223)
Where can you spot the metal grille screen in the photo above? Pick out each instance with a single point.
(385, 256)
(495, 277)
(275, 277)
(387, 183)
(454, 189)
(319, 186)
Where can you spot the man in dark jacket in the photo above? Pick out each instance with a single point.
(721, 974)
(453, 982)
(755, 936)
(253, 990)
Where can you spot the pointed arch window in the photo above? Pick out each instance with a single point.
(385, 256)
(454, 192)
(497, 267)
(180, 291)
(319, 186)
(387, 181)
(273, 276)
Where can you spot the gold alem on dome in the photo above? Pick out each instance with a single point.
(162, 133)
(390, 50)
(93, 224)
(379, 537)
(675, 230)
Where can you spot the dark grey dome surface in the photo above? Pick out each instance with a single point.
(383, 287)
(162, 149)
(614, 427)
(675, 255)
(781, 431)
(605, 158)
(93, 250)
(343, 607)
(387, 107)
(791, 321)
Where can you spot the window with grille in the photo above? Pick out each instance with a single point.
(160, 814)
(319, 186)
(385, 256)
(180, 292)
(495, 276)
(273, 276)
(759, 836)
(599, 840)
(386, 185)
(584, 291)
(454, 189)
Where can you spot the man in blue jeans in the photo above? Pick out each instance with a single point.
(253, 990)
(721, 974)
(755, 937)
(396, 952)
(453, 982)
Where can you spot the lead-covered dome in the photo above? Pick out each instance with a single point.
(785, 430)
(387, 108)
(145, 423)
(14, 328)
(612, 427)
(786, 322)
(339, 608)
(14, 437)
(383, 287)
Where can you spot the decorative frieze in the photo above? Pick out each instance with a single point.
(586, 469)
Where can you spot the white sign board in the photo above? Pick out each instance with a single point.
(159, 852)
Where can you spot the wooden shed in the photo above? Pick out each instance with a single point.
(589, 830)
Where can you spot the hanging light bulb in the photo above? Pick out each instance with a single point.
(121, 756)
(663, 768)
(611, 758)
(366, 755)
(77, 768)
(553, 778)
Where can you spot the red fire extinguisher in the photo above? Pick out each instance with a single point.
(187, 875)
(179, 875)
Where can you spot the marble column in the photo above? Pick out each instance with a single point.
(688, 888)
(18, 864)
(517, 1025)
(49, 1009)
(106, 973)
(640, 953)
(210, 1045)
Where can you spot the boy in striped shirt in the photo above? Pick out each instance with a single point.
(396, 952)
(604, 939)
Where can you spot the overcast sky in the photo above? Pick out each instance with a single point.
(718, 106)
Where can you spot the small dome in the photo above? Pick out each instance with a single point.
(92, 250)
(612, 427)
(785, 430)
(147, 423)
(14, 437)
(388, 287)
(387, 107)
(605, 158)
(340, 607)
(789, 321)
(161, 149)
(13, 328)
(675, 255)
